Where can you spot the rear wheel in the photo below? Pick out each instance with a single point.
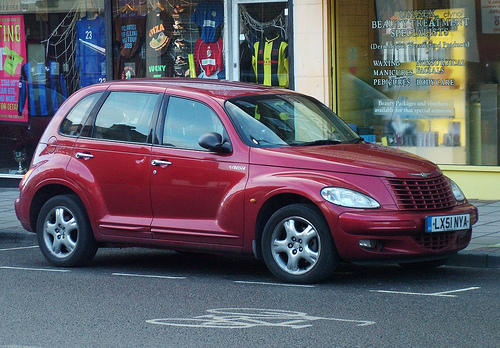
(64, 233)
(297, 245)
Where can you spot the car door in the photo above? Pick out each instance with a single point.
(197, 195)
(112, 163)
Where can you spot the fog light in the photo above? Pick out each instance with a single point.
(368, 243)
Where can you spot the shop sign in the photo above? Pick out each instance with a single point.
(13, 56)
(413, 108)
(15, 6)
(490, 16)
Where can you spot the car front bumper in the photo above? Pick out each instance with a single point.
(387, 235)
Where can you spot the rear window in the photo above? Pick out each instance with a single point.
(74, 121)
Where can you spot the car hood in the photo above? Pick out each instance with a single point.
(363, 159)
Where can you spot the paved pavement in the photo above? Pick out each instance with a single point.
(483, 250)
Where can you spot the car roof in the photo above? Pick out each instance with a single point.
(219, 89)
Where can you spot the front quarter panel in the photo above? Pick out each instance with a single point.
(268, 182)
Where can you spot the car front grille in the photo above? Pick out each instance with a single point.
(422, 194)
(435, 241)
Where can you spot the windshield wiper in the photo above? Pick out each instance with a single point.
(264, 141)
(357, 140)
(319, 142)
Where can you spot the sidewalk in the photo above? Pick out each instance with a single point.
(483, 250)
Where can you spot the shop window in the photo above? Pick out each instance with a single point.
(421, 76)
(47, 49)
(168, 39)
(264, 52)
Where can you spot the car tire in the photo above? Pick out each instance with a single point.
(64, 233)
(297, 245)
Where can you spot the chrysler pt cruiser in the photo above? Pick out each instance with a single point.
(228, 167)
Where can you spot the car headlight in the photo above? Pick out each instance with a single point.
(457, 192)
(348, 198)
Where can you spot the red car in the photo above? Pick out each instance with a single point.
(235, 168)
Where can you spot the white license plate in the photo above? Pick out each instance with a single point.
(447, 223)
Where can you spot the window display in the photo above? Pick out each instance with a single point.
(50, 50)
(91, 51)
(270, 59)
(160, 29)
(130, 31)
(168, 39)
(264, 51)
(414, 77)
(208, 59)
(12, 41)
(42, 88)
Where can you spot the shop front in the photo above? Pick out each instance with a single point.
(51, 48)
(424, 76)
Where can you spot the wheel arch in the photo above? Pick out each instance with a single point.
(269, 207)
(45, 193)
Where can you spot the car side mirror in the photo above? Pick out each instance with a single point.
(213, 141)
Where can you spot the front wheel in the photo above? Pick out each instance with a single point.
(64, 233)
(297, 245)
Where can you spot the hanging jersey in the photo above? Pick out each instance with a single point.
(43, 88)
(209, 14)
(270, 62)
(129, 32)
(159, 31)
(208, 58)
(90, 51)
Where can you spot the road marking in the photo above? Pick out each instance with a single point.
(34, 269)
(437, 294)
(243, 318)
(20, 248)
(274, 284)
(146, 276)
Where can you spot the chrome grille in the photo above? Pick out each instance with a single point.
(422, 194)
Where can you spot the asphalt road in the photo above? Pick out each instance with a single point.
(155, 298)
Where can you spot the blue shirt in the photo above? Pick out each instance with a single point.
(209, 14)
(91, 43)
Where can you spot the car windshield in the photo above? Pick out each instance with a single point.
(279, 120)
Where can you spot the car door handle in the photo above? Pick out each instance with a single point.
(157, 162)
(83, 155)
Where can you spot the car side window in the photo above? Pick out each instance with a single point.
(186, 120)
(74, 121)
(126, 116)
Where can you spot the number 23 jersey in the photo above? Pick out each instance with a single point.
(91, 43)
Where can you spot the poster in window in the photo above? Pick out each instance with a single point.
(12, 57)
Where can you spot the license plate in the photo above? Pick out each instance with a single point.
(447, 223)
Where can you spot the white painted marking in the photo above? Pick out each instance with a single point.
(274, 284)
(437, 294)
(459, 290)
(242, 318)
(20, 248)
(145, 276)
(34, 269)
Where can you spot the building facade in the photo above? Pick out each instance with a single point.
(421, 76)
